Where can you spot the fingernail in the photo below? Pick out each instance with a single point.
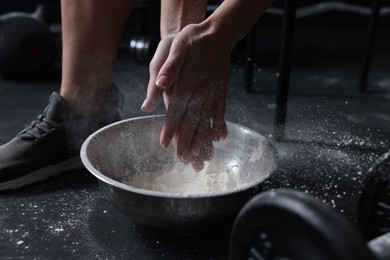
(164, 145)
(184, 160)
(162, 82)
(144, 106)
(195, 153)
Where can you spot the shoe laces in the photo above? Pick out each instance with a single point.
(39, 128)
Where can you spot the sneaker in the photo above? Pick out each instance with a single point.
(51, 144)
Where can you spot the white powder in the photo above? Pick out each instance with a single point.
(184, 180)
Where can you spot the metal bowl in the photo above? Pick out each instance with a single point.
(151, 186)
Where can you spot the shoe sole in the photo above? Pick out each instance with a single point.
(43, 173)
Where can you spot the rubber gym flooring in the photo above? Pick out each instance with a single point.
(334, 135)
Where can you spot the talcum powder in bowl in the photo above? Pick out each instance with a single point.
(151, 186)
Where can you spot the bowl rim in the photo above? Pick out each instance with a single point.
(101, 177)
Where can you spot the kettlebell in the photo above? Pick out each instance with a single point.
(27, 47)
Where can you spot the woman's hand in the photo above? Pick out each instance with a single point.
(191, 70)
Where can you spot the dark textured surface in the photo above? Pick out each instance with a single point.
(334, 136)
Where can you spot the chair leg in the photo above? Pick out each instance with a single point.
(284, 69)
(249, 51)
(372, 28)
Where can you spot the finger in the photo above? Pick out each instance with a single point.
(188, 127)
(175, 141)
(207, 152)
(175, 138)
(203, 129)
(154, 94)
(177, 104)
(175, 111)
(219, 128)
(197, 164)
(153, 99)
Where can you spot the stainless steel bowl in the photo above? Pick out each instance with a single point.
(129, 150)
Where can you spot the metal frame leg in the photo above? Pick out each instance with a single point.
(284, 69)
(372, 28)
(249, 50)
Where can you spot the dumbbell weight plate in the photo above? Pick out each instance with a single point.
(27, 48)
(374, 201)
(287, 224)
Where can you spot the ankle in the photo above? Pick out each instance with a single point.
(85, 101)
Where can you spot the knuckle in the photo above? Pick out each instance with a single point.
(153, 65)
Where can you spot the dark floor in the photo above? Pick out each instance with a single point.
(334, 135)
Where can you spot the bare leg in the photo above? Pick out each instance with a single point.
(91, 31)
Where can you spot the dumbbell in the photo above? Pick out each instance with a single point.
(142, 48)
(374, 201)
(288, 224)
(27, 47)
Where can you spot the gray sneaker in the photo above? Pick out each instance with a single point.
(50, 145)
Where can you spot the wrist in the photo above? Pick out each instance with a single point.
(215, 31)
(233, 19)
(177, 14)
